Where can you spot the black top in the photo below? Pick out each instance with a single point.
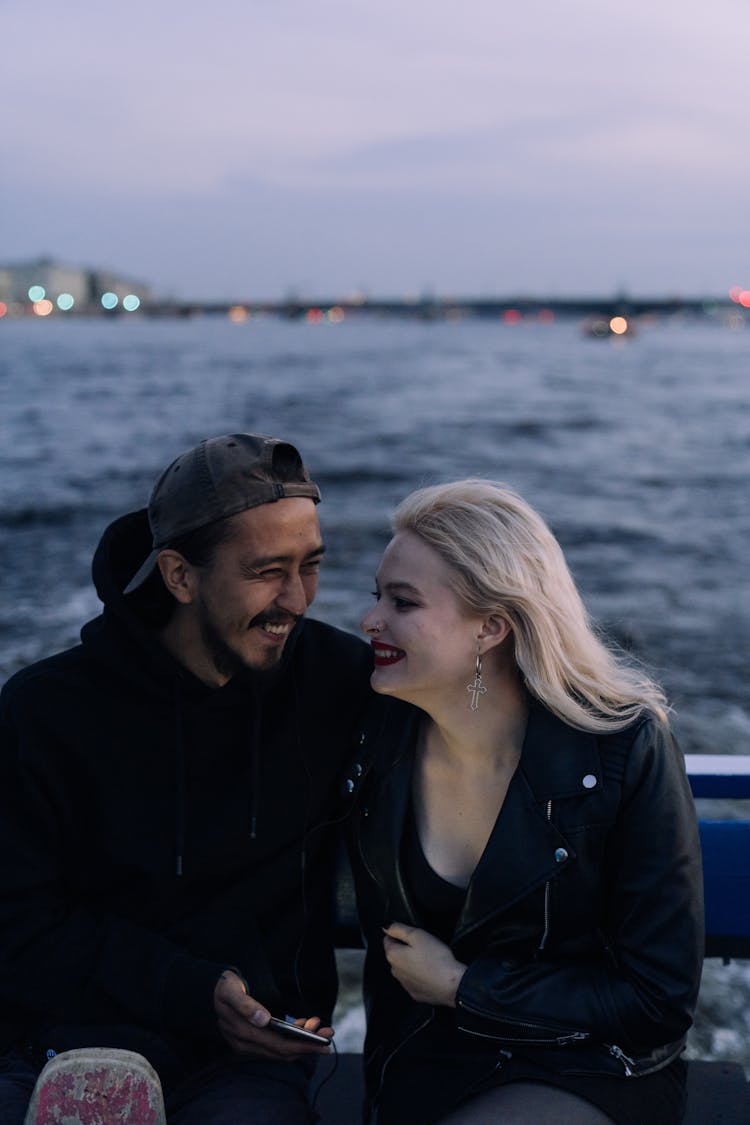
(438, 902)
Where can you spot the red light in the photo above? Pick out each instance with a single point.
(734, 293)
(545, 316)
(3, 308)
(512, 316)
(313, 316)
(744, 298)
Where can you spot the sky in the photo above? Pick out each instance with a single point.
(249, 149)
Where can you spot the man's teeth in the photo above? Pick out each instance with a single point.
(277, 630)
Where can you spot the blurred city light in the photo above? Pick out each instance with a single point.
(734, 293)
(37, 293)
(238, 314)
(43, 308)
(512, 316)
(618, 325)
(109, 300)
(65, 302)
(131, 302)
(3, 309)
(336, 314)
(744, 298)
(313, 316)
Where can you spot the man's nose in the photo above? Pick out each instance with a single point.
(293, 596)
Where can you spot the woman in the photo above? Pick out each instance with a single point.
(524, 842)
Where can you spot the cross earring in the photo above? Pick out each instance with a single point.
(477, 688)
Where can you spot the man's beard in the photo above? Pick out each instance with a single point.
(226, 661)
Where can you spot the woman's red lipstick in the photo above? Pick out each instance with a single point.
(385, 654)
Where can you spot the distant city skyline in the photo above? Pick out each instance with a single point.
(260, 149)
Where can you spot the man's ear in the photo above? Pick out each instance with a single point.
(178, 575)
(494, 631)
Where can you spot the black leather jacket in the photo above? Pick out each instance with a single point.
(582, 926)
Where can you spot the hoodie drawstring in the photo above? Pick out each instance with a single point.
(255, 762)
(306, 832)
(181, 798)
(181, 773)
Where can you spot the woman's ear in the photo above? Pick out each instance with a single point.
(493, 632)
(177, 574)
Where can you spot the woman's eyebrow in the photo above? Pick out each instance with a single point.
(397, 584)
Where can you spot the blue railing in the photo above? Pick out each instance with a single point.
(726, 852)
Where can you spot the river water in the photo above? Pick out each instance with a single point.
(636, 451)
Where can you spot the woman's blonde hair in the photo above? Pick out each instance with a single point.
(507, 562)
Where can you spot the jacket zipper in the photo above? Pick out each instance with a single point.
(626, 1061)
(396, 1049)
(559, 1040)
(547, 892)
(549, 1035)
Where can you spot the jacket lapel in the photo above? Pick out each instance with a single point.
(525, 849)
(381, 833)
(519, 857)
(558, 760)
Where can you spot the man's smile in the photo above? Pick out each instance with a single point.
(274, 627)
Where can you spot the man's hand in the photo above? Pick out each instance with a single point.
(423, 965)
(243, 1024)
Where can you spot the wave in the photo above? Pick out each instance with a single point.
(57, 515)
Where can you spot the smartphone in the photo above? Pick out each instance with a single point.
(297, 1032)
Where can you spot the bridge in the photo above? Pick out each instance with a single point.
(510, 309)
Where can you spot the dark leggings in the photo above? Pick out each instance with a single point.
(522, 1102)
(242, 1092)
(17, 1080)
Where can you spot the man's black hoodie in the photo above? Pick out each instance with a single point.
(155, 831)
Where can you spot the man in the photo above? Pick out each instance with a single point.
(167, 792)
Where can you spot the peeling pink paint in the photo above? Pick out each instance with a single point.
(97, 1096)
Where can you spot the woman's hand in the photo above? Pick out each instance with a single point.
(422, 964)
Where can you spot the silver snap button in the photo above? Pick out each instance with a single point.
(357, 770)
(349, 785)
(589, 781)
(560, 855)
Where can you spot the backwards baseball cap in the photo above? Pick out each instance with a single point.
(218, 478)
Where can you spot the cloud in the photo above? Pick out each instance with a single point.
(259, 144)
